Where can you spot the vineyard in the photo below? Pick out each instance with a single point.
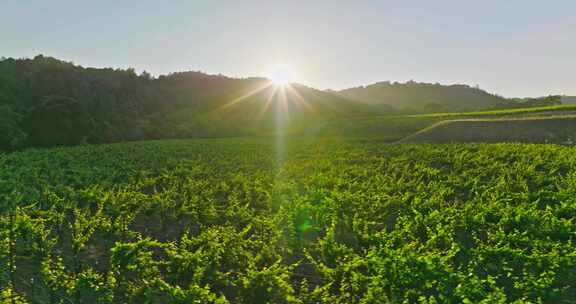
(393, 128)
(311, 221)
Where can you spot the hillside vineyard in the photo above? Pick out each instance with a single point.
(240, 221)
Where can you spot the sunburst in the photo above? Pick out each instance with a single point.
(281, 93)
(281, 75)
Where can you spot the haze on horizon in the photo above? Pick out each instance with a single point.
(513, 48)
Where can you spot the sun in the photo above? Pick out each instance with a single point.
(281, 75)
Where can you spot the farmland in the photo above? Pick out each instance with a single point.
(548, 129)
(393, 128)
(310, 221)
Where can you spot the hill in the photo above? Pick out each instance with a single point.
(414, 97)
(222, 107)
(560, 130)
(46, 102)
(392, 128)
(424, 96)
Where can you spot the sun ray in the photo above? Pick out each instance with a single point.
(247, 95)
(281, 120)
(299, 98)
(285, 112)
(267, 103)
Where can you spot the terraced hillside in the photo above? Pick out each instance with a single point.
(396, 128)
(552, 129)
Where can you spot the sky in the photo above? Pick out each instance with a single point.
(515, 48)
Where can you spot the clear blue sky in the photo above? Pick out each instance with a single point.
(510, 47)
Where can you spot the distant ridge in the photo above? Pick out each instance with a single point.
(48, 102)
(427, 96)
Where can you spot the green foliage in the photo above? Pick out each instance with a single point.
(424, 97)
(551, 100)
(11, 135)
(57, 121)
(221, 221)
(391, 128)
(46, 102)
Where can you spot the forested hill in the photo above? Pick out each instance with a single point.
(424, 96)
(47, 102)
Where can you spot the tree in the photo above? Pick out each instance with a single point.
(58, 121)
(11, 135)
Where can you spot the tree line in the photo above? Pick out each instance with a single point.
(48, 102)
(417, 97)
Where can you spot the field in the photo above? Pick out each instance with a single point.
(394, 128)
(547, 129)
(310, 221)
